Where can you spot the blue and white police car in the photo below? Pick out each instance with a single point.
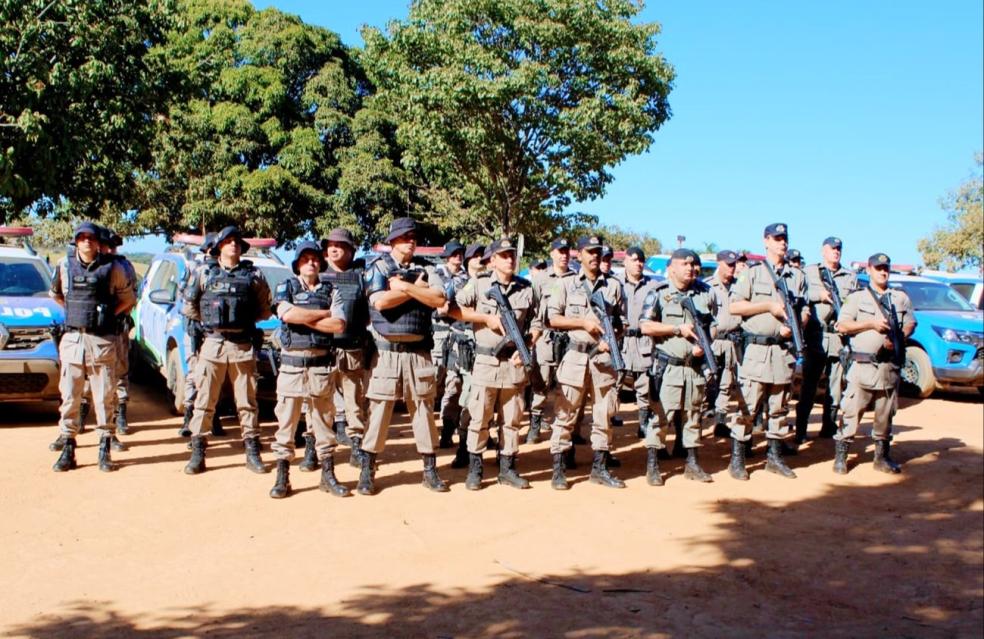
(28, 317)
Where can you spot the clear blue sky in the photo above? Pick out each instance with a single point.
(839, 118)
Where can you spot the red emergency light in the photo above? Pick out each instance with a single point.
(16, 231)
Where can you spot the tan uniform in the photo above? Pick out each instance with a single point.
(728, 331)
(88, 357)
(350, 380)
(543, 282)
(312, 385)
(682, 387)
(406, 373)
(123, 342)
(637, 349)
(497, 383)
(766, 372)
(448, 377)
(224, 356)
(583, 369)
(871, 383)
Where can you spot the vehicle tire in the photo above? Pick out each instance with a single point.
(175, 382)
(917, 375)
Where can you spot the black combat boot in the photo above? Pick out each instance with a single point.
(774, 462)
(841, 448)
(800, 436)
(693, 470)
(122, 426)
(461, 455)
(474, 479)
(616, 421)
(105, 460)
(749, 448)
(653, 477)
(644, 416)
(58, 444)
(448, 426)
(83, 415)
(253, 461)
(196, 464)
(217, 429)
(300, 434)
(281, 488)
(828, 425)
(310, 461)
(66, 461)
(507, 473)
(355, 453)
(599, 471)
(341, 433)
(577, 438)
(329, 483)
(558, 481)
(533, 434)
(570, 458)
(721, 425)
(368, 474)
(185, 431)
(737, 466)
(116, 444)
(431, 479)
(679, 451)
(613, 462)
(883, 459)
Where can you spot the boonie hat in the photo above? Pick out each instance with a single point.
(308, 246)
(401, 226)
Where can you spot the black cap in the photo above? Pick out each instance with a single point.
(636, 251)
(452, 247)
(560, 243)
(473, 250)
(683, 254)
(793, 255)
(342, 236)
(87, 227)
(589, 242)
(115, 238)
(607, 251)
(315, 247)
(105, 235)
(743, 256)
(779, 228)
(880, 259)
(833, 242)
(500, 246)
(538, 264)
(728, 257)
(225, 234)
(208, 243)
(401, 226)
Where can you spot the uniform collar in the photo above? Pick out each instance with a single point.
(304, 285)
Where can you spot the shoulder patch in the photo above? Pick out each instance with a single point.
(658, 286)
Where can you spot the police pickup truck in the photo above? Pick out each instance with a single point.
(159, 336)
(28, 318)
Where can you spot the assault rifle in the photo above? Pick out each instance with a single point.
(792, 318)
(600, 308)
(701, 323)
(895, 334)
(514, 336)
(827, 279)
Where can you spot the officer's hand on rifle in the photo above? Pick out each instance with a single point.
(785, 332)
(687, 330)
(697, 350)
(592, 326)
(396, 283)
(888, 346)
(778, 310)
(603, 347)
(516, 360)
(879, 324)
(825, 296)
(494, 324)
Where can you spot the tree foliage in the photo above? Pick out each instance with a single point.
(78, 97)
(959, 243)
(509, 110)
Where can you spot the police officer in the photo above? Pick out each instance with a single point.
(228, 298)
(823, 342)
(95, 291)
(452, 276)
(726, 339)
(498, 378)
(464, 356)
(680, 358)
(402, 298)
(766, 371)
(310, 310)
(586, 366)
(607, 256)
(637, 349)
(873, 378)
(551, 340)
(109, 244)
(351, 365)
(794, 258)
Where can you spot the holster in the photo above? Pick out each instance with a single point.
(560, 342)
(656, 372)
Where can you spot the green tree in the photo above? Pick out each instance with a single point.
(79, 94)
(252, 138)
(509, 110)
(959, 243)
(617, 237)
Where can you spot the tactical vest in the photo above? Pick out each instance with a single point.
(409, 318)
(89, 305)
(451, 285)
(300, 336)
(227, 299)
(349, 286)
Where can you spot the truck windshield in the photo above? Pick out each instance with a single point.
(927, 296)
(23, 278)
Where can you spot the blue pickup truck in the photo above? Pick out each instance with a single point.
(159, 325)
(28, 355)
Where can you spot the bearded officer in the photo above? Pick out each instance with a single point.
(823, 342)
(637, 349)
(587, 365)
(452, 276)
(549, 345)
(402, 298)
(680, 358)
(464, 356)
(766, 371)
(873, 378)
(351, 361)
(311, 310)
(725, 339)
(95, 291)
(498, 378)
(228, 298)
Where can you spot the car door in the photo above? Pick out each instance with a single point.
(155, 314)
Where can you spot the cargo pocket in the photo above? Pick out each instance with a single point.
(290, 383)
(424, 382)
(322, 381)
(573, 368)
(753, 365)
(384, 383)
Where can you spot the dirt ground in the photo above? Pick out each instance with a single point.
(150, 552)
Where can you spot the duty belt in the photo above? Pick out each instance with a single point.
(236, 336)
(582, 347)
(505, 353)
(730, 336)
(870, 358)
(689, 360)
(350, 344)
(633, 332)
(424, 345)
(304, 361)
(764, 340)
(441, 328)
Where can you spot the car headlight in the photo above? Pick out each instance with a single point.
(971, 338)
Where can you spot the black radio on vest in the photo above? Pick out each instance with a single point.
(227, 301)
